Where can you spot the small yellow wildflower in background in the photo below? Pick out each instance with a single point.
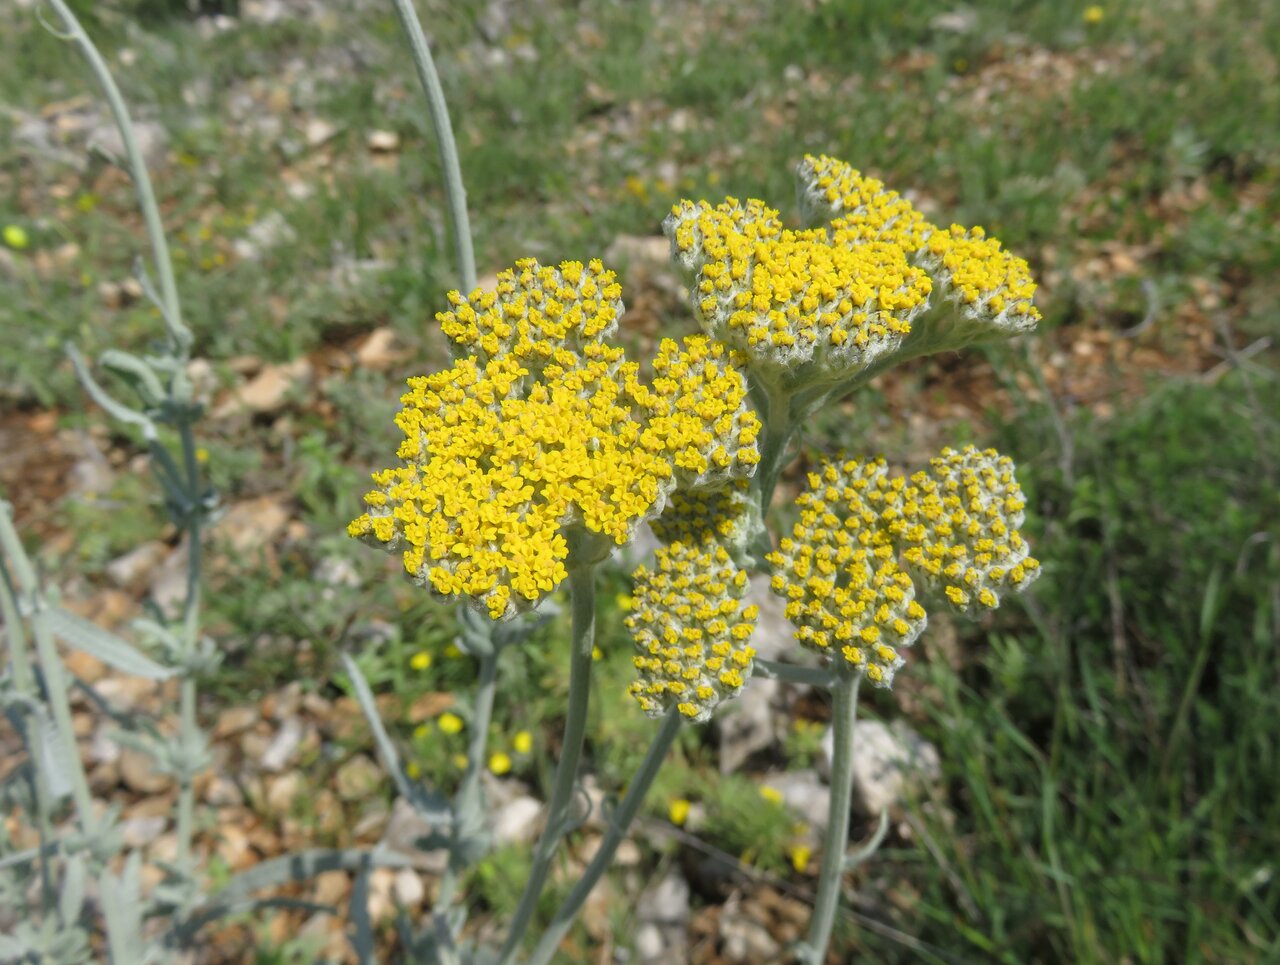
(413, 770)
(460, 761)
(500, 763)
(1094, 14)
(522, 742)
(202, 455)
(420, 660)
(453, 651)
(800, 855)
(15, 236)
(597, 654)
(771, 794)
(422, 730)
(625, 602)
(450, 723)
(678, 811)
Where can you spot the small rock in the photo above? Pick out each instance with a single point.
(332, 887)
(381, 902)
(803, 792)
(408, 889)
(103, 749)
(133, 570)
(666, 902)
(252, 524)
(517, 821)
(887, 761)
(283, 747)
(233, 720)
(358, 778)
(234, 848)
(126, 693)
(204, 381)
(139, 774)
(744, 939)
(628, 854)
(650, 947)
(84, 666)
(383, 142)
(169, 582)
(222, 792)
(318, 131)
(380, 350)
(283, 792)
(267, 392)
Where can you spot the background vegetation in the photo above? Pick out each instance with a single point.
(1112, 774)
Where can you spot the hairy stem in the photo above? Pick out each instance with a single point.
(844, 697)
(619, 823)
(455, 192)
(582, 588)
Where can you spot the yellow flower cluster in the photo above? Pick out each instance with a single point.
(859, 208)
(958, 525)
(991, 287)
(953, 527)
(698, 516)
(838, 571)
(539, 314)
(827, 302)
(691, 631)
(547, 428)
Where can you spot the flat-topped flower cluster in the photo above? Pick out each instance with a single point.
(544, 428)
(541, 446)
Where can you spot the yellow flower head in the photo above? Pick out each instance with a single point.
(989, 288)
(15, 236)
(838, 571)
(1094, 14)
(450, 723)
(678, 811)
(500, 763)
(544, 429)
(957, 524)
(860, 208)
(522, 742)
(698, 516)
(872, 279)
(690, 631)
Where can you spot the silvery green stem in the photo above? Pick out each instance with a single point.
(778, 429)
(619, 823)
(582, 589)
(844, 711)
(468, 804)
(454, 191)
(172, 309)
(25, 683)
(191, 640)
(55, 681)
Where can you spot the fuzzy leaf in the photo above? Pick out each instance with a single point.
(105, 645)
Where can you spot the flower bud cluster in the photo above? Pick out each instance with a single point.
(823, 304)
(846, 593)
(958, 525)
(691, 631)
(697, 516)
(865, 542)
(546, 427)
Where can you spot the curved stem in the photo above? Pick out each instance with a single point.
(455, 192)
(778, 429)
(188, 724)
(619, 823)
(172, 308)
(582, 587)
(844, 696)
